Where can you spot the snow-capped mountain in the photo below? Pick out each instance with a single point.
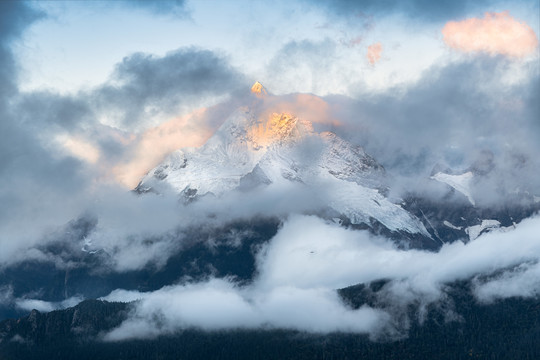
(256, 148)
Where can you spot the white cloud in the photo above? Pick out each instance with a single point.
(219, 304)
(521, 282)
(309, 258)
(46, 306)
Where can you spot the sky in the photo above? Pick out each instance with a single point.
(79, 44)
(94, 94)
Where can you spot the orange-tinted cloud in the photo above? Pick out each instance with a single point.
(496, 33)
(152, 146)
(374, 53)
(82, 149)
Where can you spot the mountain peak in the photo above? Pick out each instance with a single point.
(258, 89)
(261, 130)
(278, 128)
(284, 125)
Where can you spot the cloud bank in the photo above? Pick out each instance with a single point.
(219, 304)
(300, 268)
(451, 116)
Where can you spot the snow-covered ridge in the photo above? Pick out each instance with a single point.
(461, 183)
(486, 225)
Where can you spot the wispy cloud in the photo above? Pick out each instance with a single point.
(154, 144)
(374, 52)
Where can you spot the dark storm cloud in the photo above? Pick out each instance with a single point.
(42, 110)
(15, 142)
(143, 85)
(425, 10)
(15, 16)
(32, 177)
(20, 151)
